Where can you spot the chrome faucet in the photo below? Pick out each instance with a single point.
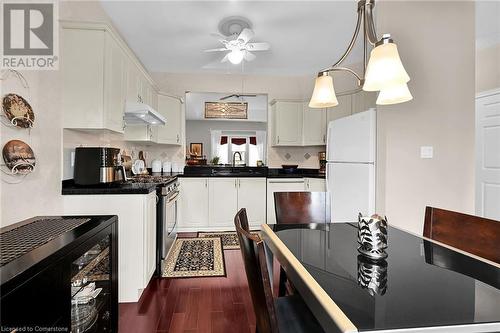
(234, 157)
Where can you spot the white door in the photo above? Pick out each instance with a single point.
(223, 203)
(314, 127)
(194, 203)
(488, 155)
(352, 190)
(115, 85)
(252, 196)
(280, 185)
(170, 133)
(288, 123)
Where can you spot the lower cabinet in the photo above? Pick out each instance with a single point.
(136, 235)
(194, 203)
(211, 203)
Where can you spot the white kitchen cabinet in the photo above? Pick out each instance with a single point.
(136, 235)
(149, 238)
(210, 204)
(93, 69)
(287, 123)
(314, 185)
(280, 185)
(363, 100)
(194, 203)
(139, 133)
(314, 126)
(170, 133)
(223, 202)
(252, 197)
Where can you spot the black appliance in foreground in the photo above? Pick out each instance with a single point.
(98, 166)
(59, 274)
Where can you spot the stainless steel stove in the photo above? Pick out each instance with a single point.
(167, 213)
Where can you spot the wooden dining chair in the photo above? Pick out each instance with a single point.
(301, 207)
(477, 235)
(284, 314)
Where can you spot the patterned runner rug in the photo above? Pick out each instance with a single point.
(229, 238)
(195, 257)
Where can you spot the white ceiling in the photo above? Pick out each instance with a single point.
(170, 36)
(487, 23)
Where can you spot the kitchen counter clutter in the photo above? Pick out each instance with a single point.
(48, 261)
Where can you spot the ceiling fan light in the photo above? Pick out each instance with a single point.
(324, 93)
(394, 95)
(385, 69)
(235, 56)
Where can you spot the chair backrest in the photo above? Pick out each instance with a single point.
(254, 258)
(477, 235)
(301, 207)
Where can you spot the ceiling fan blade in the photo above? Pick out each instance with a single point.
(245, 35)
(228, 96)
(248, 56)
(263, 46)
(216, 50)
(225, 58)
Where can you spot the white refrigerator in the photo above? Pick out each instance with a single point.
(350, 168)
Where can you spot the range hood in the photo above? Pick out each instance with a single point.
(142, 114)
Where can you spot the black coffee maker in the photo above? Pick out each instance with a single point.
(98, 166)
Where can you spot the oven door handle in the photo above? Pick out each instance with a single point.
(174, 197)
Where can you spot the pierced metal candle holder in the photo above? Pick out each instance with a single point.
(372, 236)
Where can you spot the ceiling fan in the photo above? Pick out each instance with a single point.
(237, 96)
(236, 43)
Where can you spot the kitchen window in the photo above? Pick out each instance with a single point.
(248, 146)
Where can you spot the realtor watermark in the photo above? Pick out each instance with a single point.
(30, 35)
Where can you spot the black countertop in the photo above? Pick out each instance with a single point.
(243, 172)
(58, 245)
(419, 284)
(69, 188)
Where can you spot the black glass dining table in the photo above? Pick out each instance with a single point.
(422, 286)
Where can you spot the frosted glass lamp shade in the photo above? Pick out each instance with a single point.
(323, 94)
(385, 69)
(235, 56)
(394, 95)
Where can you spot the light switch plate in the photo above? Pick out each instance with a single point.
(426, 152)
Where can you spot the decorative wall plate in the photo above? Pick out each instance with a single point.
(18, 111)
(18, 157)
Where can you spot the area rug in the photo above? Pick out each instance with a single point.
(229, 238)
(195, 257)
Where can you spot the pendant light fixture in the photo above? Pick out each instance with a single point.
(384, 71)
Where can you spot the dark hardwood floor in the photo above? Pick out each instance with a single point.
(209, 304)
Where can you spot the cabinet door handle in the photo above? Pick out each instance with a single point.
(177, 138)
(206, 182)
(278, 139)
(324, 138)
(239, 183)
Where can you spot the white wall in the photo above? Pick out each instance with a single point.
(276, 87)
(436, 44)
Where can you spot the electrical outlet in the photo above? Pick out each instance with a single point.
(426, 152)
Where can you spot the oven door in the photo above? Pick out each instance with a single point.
(170, 222)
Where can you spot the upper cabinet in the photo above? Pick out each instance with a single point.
(296, 124)
(93, 74)
(287, 123)
(314, 126)
(171, 108)
(100, 75)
